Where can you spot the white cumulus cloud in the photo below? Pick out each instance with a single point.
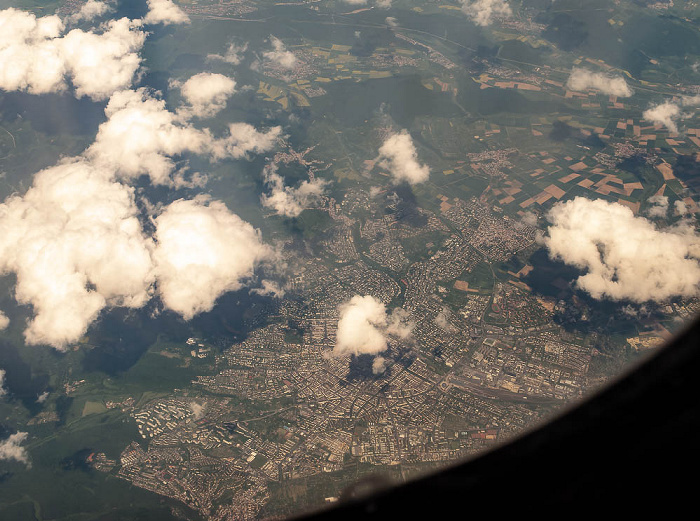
(582, 80)
(75, 243)
(203, 251)
(76, 246)
(74, 240)
(141, 137)
(206, 93)
(90, 10)
(666, 114)
(242, 140)
(197, 409)
(11, 448)
(36, 56)
(483, 12)
(233, 54)
(101, 64)
(269, 288)
(680, 208)
(625, 257)
(3, 391)
(165, 12)
(379, 365)
(398, 155)
(4, 321)
(442, 319)
(287, 200)
(30, 52)
(363, 326)
(279, 54)
(658, 206)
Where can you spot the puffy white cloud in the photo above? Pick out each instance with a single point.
(625, 257)
(165, 12)
(379, 365)
(355, 2)
(36, 57)
(101, 64)
(442, 319)
(90, 10)
(233, 54)
(400, 324)
(141, 137)
(269, 288)
(76, 246)
(75, 243)
(11, 448)
(4, 321)
(203, 251)
(197, 409)
(42, 397)
(3, 391)
(286, 200)
(391, 21)
(634, 311)
(279, 54)
(242, 140)
(30, 54)
(582, 80)
(383, 4)
(665, 114)
(74, 240)
(530, 219)
(659, 206)
(206, 93)
(680, 207)
(398, 155)
(482, 12)
(363, 326)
